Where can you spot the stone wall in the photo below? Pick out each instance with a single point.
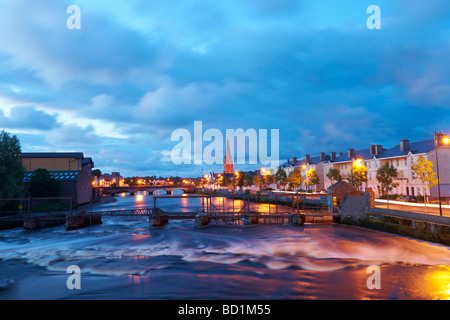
(356, 211)
(82, 220)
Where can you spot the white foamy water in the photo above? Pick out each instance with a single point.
(107, 248)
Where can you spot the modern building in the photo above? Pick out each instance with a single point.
(71, 168)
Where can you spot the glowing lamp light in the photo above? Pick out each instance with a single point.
(446, 140)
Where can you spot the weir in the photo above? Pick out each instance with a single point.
(236, 214)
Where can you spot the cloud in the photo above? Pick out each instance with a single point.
(72, 135)
(28, 117)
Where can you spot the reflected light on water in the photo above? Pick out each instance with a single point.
(139, 198)
(439, 283)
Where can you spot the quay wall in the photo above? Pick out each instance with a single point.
(356, 210)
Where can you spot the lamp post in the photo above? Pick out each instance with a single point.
(445, 140)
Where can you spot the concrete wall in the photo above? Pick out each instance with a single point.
(85, 189)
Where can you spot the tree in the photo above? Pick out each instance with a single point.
(268, 179)
(423, 169)
(43, 185)
(96, 173)
(239, 180)
(248, 180)
(11, 169)
(386, 176)
(295, 178)
(358, 174)
(197, 182)
(281, 177)
(226, 181)
(312, 177)
(334, 175)
(259, 181)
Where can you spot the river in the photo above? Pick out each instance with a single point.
(125, 259)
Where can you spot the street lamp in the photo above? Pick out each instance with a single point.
(439, 140)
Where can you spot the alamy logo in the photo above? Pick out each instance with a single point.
(74, 20)
(374, 21)
(74, 280)
(189, 150)
(374, 280)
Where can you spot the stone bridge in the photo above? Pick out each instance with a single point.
(150, 189)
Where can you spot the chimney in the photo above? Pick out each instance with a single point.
(294, 161)
(288, 162)
(340, 153)
(351, 153)
(376, 149)
(307, 159)
(322, 156)
(373, 150)
(332, 156)
(379, 148)
(404, 145)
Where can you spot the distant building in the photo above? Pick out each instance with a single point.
(109, 180)
(71, 168)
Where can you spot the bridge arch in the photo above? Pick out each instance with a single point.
(176, 191)
(160, 192)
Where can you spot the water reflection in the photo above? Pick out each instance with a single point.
(438, 283)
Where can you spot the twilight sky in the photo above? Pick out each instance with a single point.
(137, 70)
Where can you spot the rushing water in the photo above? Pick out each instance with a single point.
(125, 259)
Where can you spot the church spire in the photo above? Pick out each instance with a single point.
(228, 160)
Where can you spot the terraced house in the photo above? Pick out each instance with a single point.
(401, 156)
